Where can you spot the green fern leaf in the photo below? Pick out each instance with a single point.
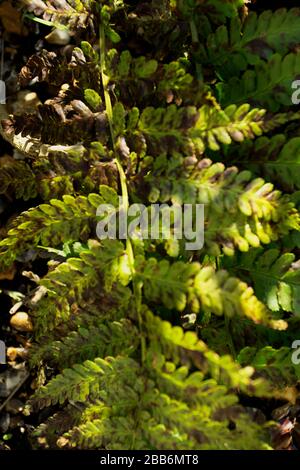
(276, 277)
(268, 85)
(242, 45)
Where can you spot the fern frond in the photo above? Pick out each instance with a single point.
(71, 219)
(275, 276)
(274, 364)
(141, 118)
(252, 211)
(17, 179)
(276, 158)
(99, 263)
(74, 14)
(268, 85)
(286, 169)
(87, 380)
(124, 392)
(243, 44)
(172, 343)
(106, 339)
(184, 128)
(132, 75)
(216, 10)
(46, 434)
(179, 285)
(183, 430)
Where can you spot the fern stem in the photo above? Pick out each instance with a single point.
(195, 39)
(137, 285)
(104, 79)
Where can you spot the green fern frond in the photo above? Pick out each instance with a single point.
(252, 211)
(208, 127)
(99, 263)
(217, 10)
(243, 44)
(83, 381)
(105, 339)
(269, 85)
(275, 157)
(17, 178)
(124, 392)
(172, 343)
(275, 276)
(198, 288)
(71, 219)
(274, 364)
(188, 79)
